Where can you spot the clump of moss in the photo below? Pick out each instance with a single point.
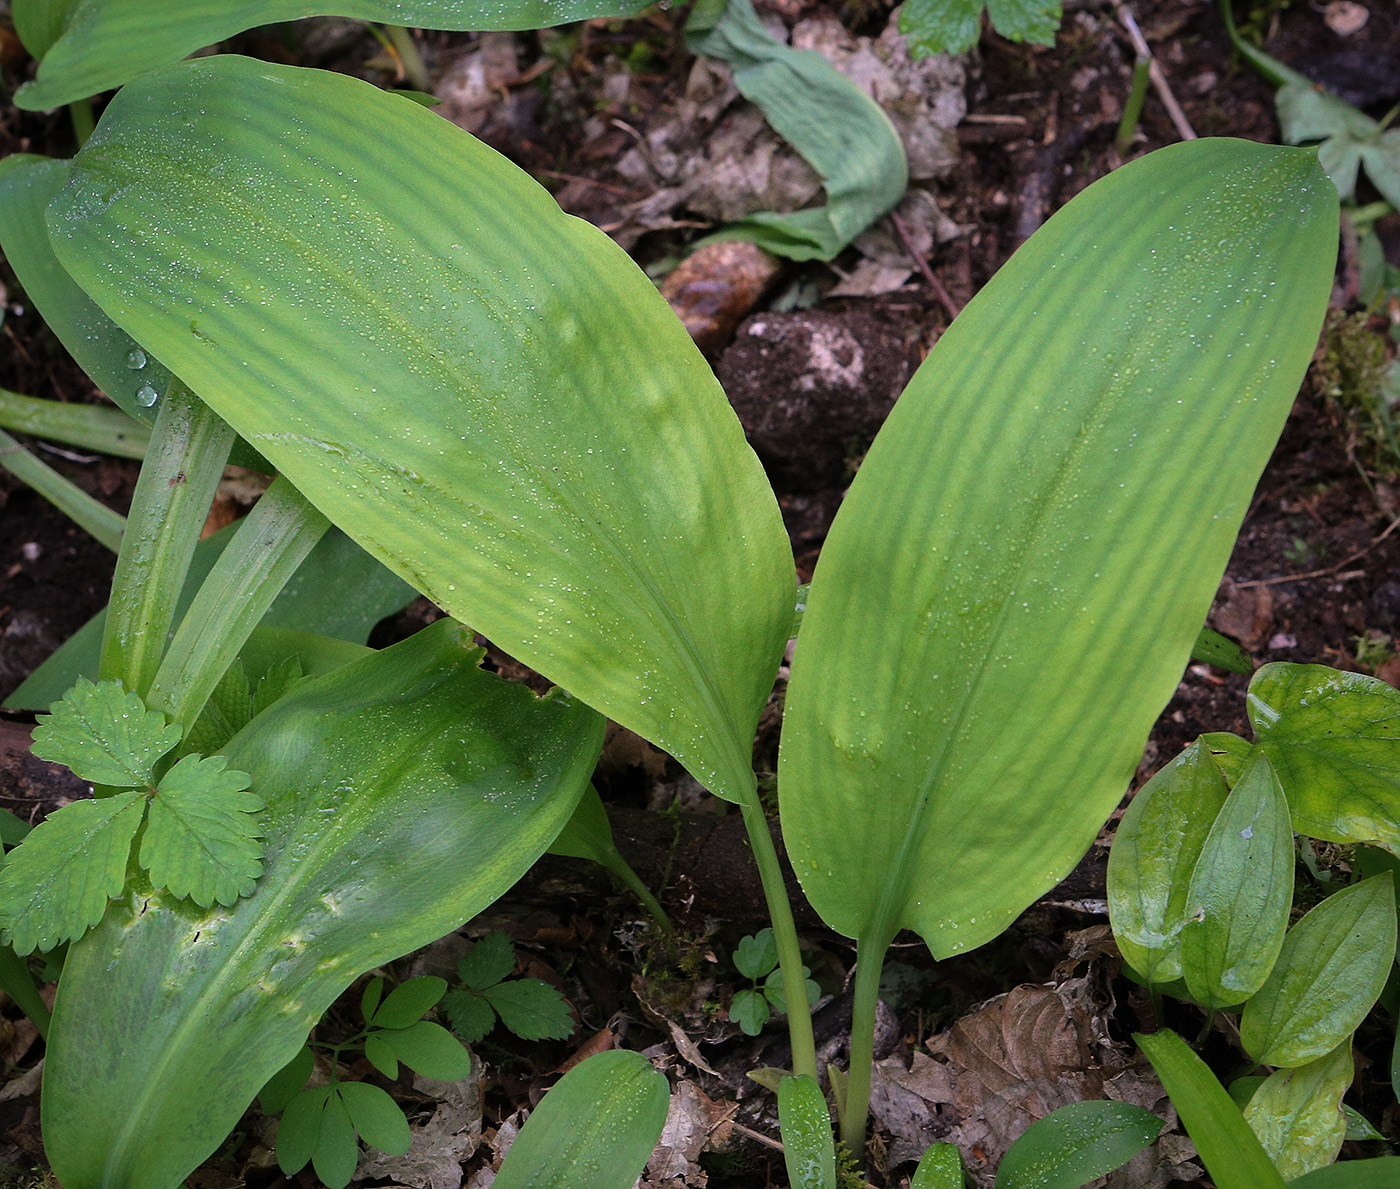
(1351, 372)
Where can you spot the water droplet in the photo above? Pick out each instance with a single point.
(136, 359)
(146, 396)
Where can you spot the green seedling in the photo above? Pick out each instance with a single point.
(1200, 889)
(756, 958)
(320, 1124)
(528, 1007)
(494, 402)
(955, 26)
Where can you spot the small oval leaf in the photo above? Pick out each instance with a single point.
(1240, 893)
(1297, 1113)
(1329, 974)
(1075, 1144)
(593, 1130)
(1154, 853)
(940, 1168)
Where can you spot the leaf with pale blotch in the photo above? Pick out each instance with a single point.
(201, 839)
(58, 882)
(1333, 738)
(1297, 1113)
(105, 734)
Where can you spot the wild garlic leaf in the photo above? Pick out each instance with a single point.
(953, 26)
(489, 961)
(202, 842)
(531, 1008)
(105, 734)
(56, 884)
(470, 1015)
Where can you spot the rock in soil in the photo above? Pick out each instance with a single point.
(812, 388)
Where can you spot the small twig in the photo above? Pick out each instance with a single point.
(945, 299)
(1159, 80)
(757, 1135)
(1331, 571)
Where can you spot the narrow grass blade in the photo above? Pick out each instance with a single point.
(90, 427)
(1232, 1154)
(87, 513)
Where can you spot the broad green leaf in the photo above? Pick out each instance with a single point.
(809, 1147)
(955, 26)
(1154, 853)
(287, 1082)
(339, 591)
(1222, 652)
(1032, 543)
(836, 127)
(593, 1130)
(1359, 1129)
(105, 43)
(1297, 1113)
(58, 882)
(1380, 1173)
(450, 380)
(531, 1008)
(1077, 1143)
(940, 1168)
(409, 1002)
(1350, 138)
(105, 735)
(1232, 1154)
(756, 955)
(380, 1054)
(470, 1015)
(1333, 738)
(113, 360)
(376, 1117)
(490, 960)
(1240, 892)
(1230, 752)
(404, 793)
(201, 840)
(1329, 973)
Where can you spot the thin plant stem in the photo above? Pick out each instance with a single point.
(83, 121)
(65, 495)
(89, 427)
(413, 68)
(770, 873)
(271, 542)
(633, 883)
(870, 962)
(1132, 109)
(189, 447)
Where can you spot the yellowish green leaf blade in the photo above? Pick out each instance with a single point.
(201, 841)
(1033, 541)
(1240, 892)
(58, 882)
(1076, 1144)
(1297, 1113)
(105, 43)
(489, 395)
(105, 735)
(1333, 738)
(1154, 853)
(939, 1168)
(1328, 976)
